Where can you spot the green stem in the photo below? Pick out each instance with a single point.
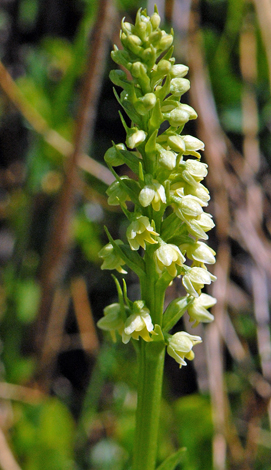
(150, 378)
(150, 375)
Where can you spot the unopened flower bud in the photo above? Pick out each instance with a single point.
(165, 42)
(155, 37)
(132, 42)
(155, 20)
(163, 66)
(178, 70)
(149, 55)
(132, 38)
(145, 103)
(135, 137)
(189, 206)
(180, 115)
(112, 156)
(138, 69)
(127, 27)
(198, 190)
(198, 227)
(197, 169)
(179, 86)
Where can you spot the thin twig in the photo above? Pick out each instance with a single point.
(263, 10)
(7, 460)
(53, 335)
(84, 317)
(51, 136)
(20, 393)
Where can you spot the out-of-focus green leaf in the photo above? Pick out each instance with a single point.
(195, 430)
(36, 96)
(171, 462)
(27, 300)
(43, 436)
(87, 235)
(28, 10)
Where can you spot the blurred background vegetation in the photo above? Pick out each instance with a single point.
(67, 394)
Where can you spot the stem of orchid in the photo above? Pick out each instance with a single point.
(150, 375)
(150, 378)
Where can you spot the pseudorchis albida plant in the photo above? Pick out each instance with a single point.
(167, 225)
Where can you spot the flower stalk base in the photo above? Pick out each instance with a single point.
(150, 376)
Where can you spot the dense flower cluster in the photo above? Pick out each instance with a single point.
(165, 201)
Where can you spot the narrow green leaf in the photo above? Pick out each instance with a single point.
(175, 311)
(169, 53)
(157, 334)
(129, 158)
(156, 117)
(119, 78)
(131, 187)
(131, 258)
(127, 106)
(119, 291)
(162, 92)
(171, 462)
(129, 303)
(150, 147)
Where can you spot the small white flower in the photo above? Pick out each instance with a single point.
(180, 347)
(199, 251)
(200, 192)
(192, 144)
(153, 194)
(167, 257)
(138, 324)
(198, 309)
(197, 169)
(139, 232)
(198, 227)
(188, 207)
(135, 138)
(191, 188)
(194, 280)
(111, 259)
